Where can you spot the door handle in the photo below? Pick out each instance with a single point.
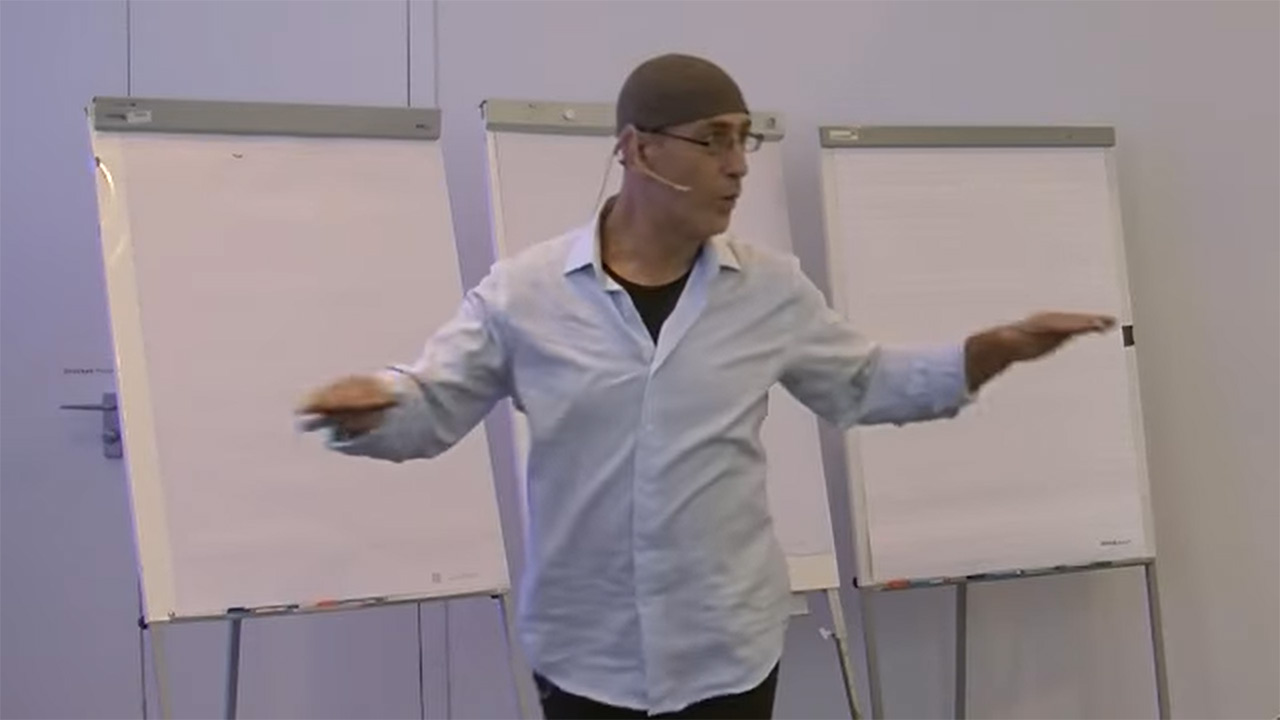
(112, 439)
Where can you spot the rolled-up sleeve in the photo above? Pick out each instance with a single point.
(459, 376)
(850, 380)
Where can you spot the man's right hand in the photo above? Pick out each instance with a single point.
(352, 405)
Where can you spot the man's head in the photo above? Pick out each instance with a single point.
(683, 132)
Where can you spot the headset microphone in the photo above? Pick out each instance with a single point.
(644, 168)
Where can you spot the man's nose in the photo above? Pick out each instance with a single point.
(735, 163)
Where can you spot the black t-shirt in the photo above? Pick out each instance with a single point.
(654, 302)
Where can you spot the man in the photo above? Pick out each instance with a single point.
(641, 348)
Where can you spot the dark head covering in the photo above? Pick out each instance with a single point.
(675, 89)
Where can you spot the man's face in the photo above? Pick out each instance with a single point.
(708, 157)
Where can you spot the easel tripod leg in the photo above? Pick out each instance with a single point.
(145, 631)
(960, 706)
(841, 633)
(159, 668)
(523, 701)
(873, 663)
(1157, 641)
(233, 670)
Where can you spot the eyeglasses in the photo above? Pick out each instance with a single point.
(719, 143)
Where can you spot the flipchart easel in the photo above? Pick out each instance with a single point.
(276, 134)
(912, 143)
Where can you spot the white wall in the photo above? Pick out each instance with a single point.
(1191, 88)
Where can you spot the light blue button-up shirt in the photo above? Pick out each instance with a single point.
(653, 577)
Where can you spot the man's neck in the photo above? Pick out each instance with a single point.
(639, 248)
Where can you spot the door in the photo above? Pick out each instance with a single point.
(68, 589)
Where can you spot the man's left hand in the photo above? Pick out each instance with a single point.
(990, 352)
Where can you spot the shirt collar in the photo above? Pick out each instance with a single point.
(585, 250)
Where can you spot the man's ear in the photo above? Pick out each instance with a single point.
(627, 149)
(624, 147)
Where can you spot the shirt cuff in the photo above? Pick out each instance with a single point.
(918, 384)
(942, 385)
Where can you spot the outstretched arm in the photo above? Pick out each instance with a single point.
(421, 410)
(850, 380)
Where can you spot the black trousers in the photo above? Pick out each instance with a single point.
(754, 704)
